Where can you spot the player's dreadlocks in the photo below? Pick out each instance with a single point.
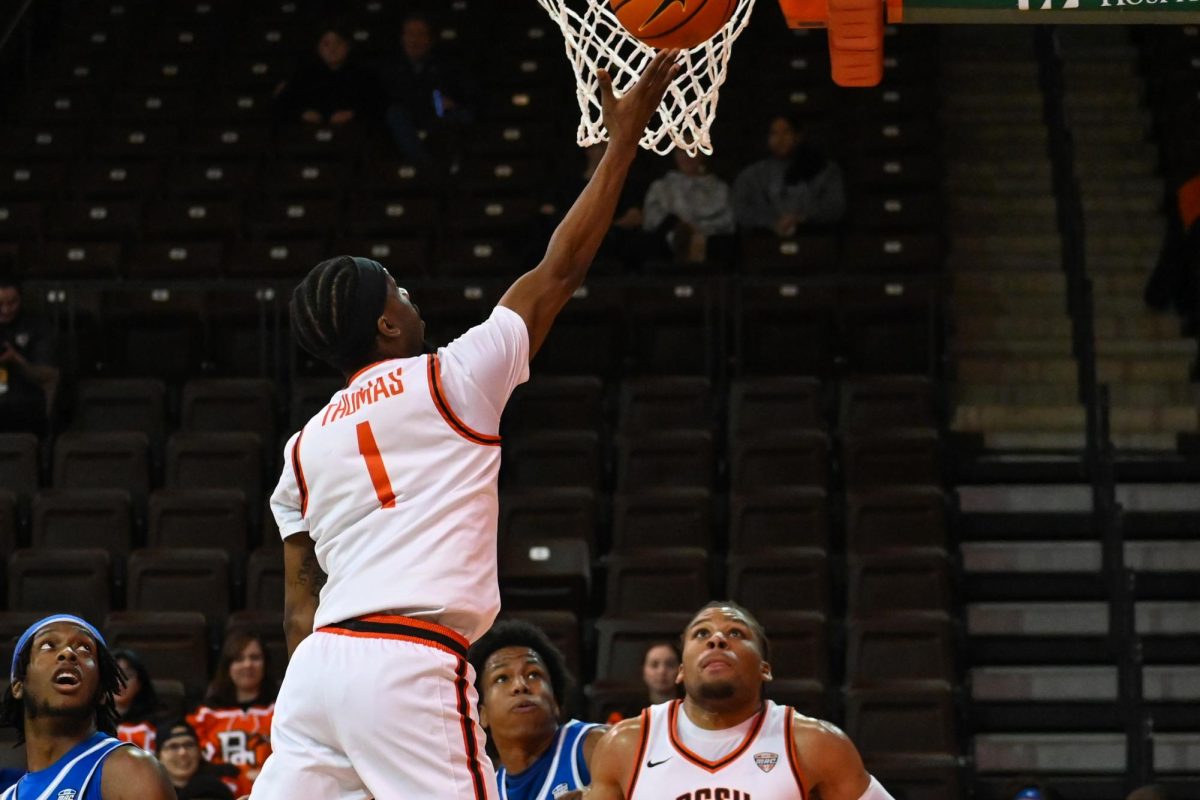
(333, 311)
(518, 633)
(112, 680)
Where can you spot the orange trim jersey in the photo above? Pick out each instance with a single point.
(142, 734)
(240, 738)
(395, 482)
(757, 762)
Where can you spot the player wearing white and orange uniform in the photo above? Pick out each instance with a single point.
(390, 492)
(724, 741)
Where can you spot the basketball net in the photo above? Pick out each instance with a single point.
(594, 39)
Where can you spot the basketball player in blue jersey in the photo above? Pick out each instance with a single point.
(723, 740)
(60, 700)
(521, 678)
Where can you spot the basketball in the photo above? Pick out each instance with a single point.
(673, 23)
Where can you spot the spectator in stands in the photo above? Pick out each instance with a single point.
(795, 187)
(136, 702)
(193, 777)
(328, 88)
(427, 92)
(522, 681)
(233, 724)
(28, 375)
(688, 212)
(660, 670)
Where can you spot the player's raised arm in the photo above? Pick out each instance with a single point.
(540, 294)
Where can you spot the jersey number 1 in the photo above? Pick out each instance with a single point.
(379, 477)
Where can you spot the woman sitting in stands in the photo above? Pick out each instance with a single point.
(233, 724)
(137, 702)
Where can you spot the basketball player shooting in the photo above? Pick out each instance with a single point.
(388, 509)
(724, 740)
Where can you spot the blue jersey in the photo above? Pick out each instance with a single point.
(559, 770)
(75, 776)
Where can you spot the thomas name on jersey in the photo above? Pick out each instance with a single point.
(381, 388)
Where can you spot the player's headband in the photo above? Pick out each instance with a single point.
(36, 627)
(365, 308)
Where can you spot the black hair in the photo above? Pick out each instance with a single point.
(8, 277)
(519, 633)
(145, 703)
(760, 633)
(322, 313)
(112, 679)
(162, 732)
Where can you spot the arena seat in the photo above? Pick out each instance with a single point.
(551, 512)
(664, 517)
(294, 179)
(172, 644)
(772, 404)
(215, 461)
(67, 581)
(778, 460)
(567, 403)
(650, 581)
(180, 580)
(19, 464)
(899, 647)
(209, 178)
(21, 221)
(917, 580)
(792, 256)
(32, 181)
(545, 572)
(9, 521)
(178, 258)
(672, 458)
(622, 642)
(558, 459)
(882, 403)
(799, 645)
(83, 518)
(783, 329)
(185, 518)
(895, 518)
(773, 518)
(652, 404)
(264, 580)
(894, 725)
(795, 579)
(291, 218)
(275, 258)
(229, 404)
(104, 461)
(895, 458)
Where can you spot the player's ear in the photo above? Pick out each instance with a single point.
(483, 716)
(679, 675)
(766, 672)
(17, 689)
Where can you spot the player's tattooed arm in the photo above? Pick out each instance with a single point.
(302, 582)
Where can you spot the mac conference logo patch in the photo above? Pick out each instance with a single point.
(766, 761)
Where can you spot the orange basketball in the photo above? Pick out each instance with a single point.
(673, 23)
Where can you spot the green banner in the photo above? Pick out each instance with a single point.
(1026, 12)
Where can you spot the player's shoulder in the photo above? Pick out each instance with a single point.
(626, 734)
(132, 772)
(823, 748)
(817, 732)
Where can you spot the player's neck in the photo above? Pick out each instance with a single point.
(518, 755)
(48, 740)
(719, 715)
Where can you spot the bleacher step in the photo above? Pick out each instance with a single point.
(1072, 556)
(1153, 618)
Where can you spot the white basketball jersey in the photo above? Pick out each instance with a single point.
(762, 766)
(395, 481)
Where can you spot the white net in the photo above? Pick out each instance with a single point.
(595, 39)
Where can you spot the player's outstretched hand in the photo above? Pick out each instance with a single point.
(626, 117)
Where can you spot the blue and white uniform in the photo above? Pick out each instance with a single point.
(75, 776)
(559, 770)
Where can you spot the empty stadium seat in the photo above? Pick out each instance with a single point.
(769, 405)
(902, 724)
(229, 405)
(652, 581)
(663, 517)
(896, 458)
(116, 405)
(649, 405)
(545, 572)
(275, 258)
(264, 580)
(8, 521)
(781, 459)
(917, 580)
(912, 646)
(877, 404)
(187, 518)
(172, 644)
(103, 461)
(562, 459)
(622, 642)
(19, 464)
(556, 403)
(557, 513)
(65, 581)
(796, 579)
(673, 458)
(895, 518)
(175, 258)
(215, 461)
(180, 580)
(782, 329)
(768, 519)
(793, 256)
(83, 518)
(799, 645)
(74, 260)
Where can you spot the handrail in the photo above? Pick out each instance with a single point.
(1124, 644)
